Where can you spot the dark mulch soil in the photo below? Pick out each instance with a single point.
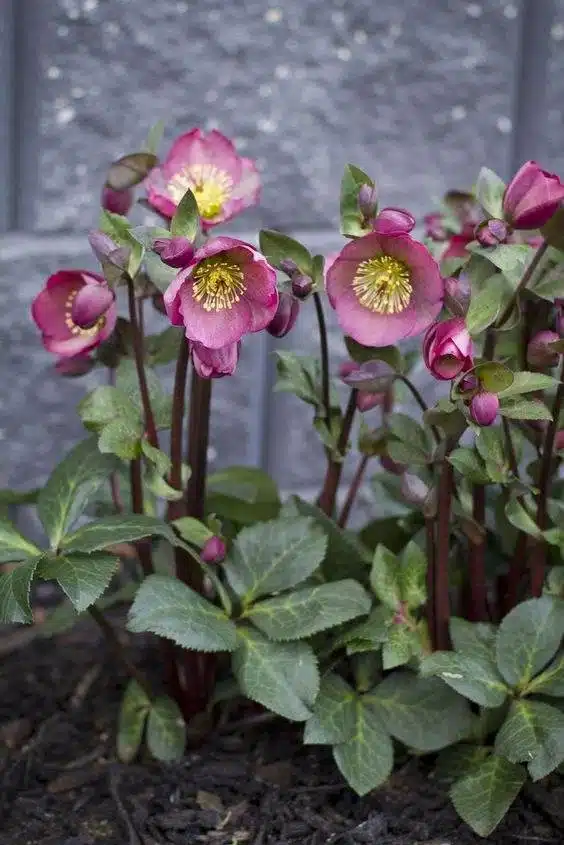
(60, 783)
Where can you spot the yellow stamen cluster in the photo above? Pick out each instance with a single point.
(71, 325)
(383, 284)
(211, 187)
(218, 283)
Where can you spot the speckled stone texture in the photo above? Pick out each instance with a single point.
(418, 93)
(554, 131)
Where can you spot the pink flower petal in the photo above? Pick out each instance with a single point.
(214, 329)
(90, 303)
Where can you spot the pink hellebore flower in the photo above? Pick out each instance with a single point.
(532, 197)
(384, 288)
(215, 363)
(447, 349)
(226, 291)
(222, 182)
(75, 312)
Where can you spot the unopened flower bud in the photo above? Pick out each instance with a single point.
(532, 197)
(368, 401)
(302, 285)
(368, 201)
(289, 266)
(285, 317)
(394, 221)
(107, 251)
(447, 349)
(118, 202)
(457, 294)
(215, 363)
(413, 489)
(177, 252)
(214, 550)
(484, 408)
(491, 232)
(539, 353)
(434, 227)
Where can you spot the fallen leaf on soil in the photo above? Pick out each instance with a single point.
(209, 801)
(279, 773)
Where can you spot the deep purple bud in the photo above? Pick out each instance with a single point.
(457, 294)
(288, 266)
(539, 353)
(285, 317)
(118, 202)
(177, 252)
(368, 201)
(214, 550)
(302, 285)
(394, 221)
(491, 232)
(108, 252)
(484, 407)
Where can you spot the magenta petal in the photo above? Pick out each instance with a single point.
(215, 363)
(90, 303)
(394, 221)
(214, 329)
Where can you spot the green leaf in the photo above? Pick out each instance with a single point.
(281, 676)
(408, 430)
(130, 170)
(346, 556)
(192, 530)
(385, 577)
(73, 483)
(277, 248)
(521, 519)
(489, 192)
(242, 494)
(127, 381)
(19, 497)
(165, 606)
(305, 612)
(157, 457)
(490, 446)
(474, 639)
(301, 375)
(122, 438)
(402, 644)
(525, 382)
(528, 638)
(13, 545)
(15, 587)
(84, 578)
(369, 634)
(458, 758)
(483, 796)
(352, 222)
(272, 556)
(472, 675)
(469, 465)
(423, 713)
(533, 733)
(104, 404)
(154, 137)
(550, 682)
(413, 574)
(525, 409)
(121, 528)
(511, 259)
(135, 707)
(366, 759)
(493, 376)
(186, 220)
(334, 713)
(485, 306)
(158, 272)
(164, 347)
(166, 731)
(407, 453)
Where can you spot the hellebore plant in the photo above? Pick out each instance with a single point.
(437, 625)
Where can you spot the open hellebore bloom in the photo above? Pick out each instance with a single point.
(384, 288)
(447, 349)
(215, 363)
(222, 182)
(75, 312)
(532, 197)
(228, 290)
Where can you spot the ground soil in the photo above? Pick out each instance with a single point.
(61, 785)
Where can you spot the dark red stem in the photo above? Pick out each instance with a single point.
(178, 508)
(353, 490)
(139, 354)
(328, 495)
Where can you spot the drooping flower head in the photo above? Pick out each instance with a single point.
(447, 349)
(384, 288)
(228, 290)
(222, 182)
(215, 363)
(75, 312)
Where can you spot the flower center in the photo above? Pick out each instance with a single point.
(211, 187)
(218, 283)
(72, 326)
(383, 284)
